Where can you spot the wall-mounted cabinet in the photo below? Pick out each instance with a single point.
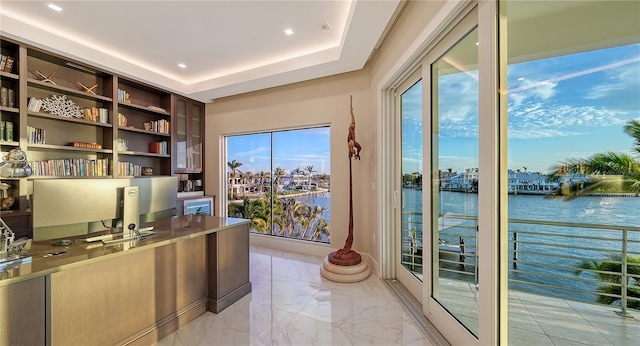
(189, 125)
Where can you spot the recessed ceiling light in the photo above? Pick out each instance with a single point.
(288, 31)
(54, 7)
(182, 66)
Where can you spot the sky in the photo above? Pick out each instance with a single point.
(570, 106)
(291, 149)
(559, 108)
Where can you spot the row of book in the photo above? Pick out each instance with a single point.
(124, 96)
(122, 120)
(36, 135)
(129, 169)
(97, 114)
(159, 148)
(34, 104)
(86, 145)
(6, 131)
(71, 167)
(6, 63)
(161, 126)
(7, 97)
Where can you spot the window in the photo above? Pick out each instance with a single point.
(281, 182)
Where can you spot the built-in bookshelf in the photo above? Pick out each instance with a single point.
(11, 189)
(75, 120)
(144, 119)
(70, 103)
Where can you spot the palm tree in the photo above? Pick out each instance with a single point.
(279, 173)
(311, 218)
(632, 128)
(250, 210)
(310, 169)
(606, 172)
(262, 176)
(233, 166)
(291, 208)
(294, 173)
(609, 273)
(245, 178)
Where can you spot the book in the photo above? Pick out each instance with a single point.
(3, 62)
(2, 125)
(4, 97)
(8, 67)
(8, 131)
(12, 98)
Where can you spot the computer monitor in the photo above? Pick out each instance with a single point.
(59, 202)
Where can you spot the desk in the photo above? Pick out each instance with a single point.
(126, 294)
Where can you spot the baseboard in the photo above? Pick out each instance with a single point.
(304, 248)
(168, 325)
(217, 305)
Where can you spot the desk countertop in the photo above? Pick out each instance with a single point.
(44, 258)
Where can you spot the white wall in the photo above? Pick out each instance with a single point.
(326, 101)
(317, 102)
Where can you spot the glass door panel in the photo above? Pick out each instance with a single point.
(196, 142)
(573, 171)
(411, 174)
(454, 190)
(181, 134)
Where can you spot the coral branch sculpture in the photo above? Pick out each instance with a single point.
(61, 106)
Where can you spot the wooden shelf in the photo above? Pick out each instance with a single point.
(134, 129)
(73, 120)
(142, 108)
(67, 91)
(141, 153)
(9, 75)
(34, 177)
(10, 109)
(67, 148)
(13, 144)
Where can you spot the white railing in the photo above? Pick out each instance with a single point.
(545, 257)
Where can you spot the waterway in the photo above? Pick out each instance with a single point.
(548, 257)
(557, 261)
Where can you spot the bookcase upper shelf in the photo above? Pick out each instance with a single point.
(143, 108)
(142, 153)
(135, 129)
(67, 90)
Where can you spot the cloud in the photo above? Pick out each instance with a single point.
(543, 90)
(620, 88)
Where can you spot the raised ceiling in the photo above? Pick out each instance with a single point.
(228, 47)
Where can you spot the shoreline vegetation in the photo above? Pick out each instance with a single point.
(290, 194)
(544, 193)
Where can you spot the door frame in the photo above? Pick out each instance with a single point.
(492, 184)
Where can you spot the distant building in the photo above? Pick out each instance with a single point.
(530, 182)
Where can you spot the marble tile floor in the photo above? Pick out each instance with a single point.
(291, 304)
